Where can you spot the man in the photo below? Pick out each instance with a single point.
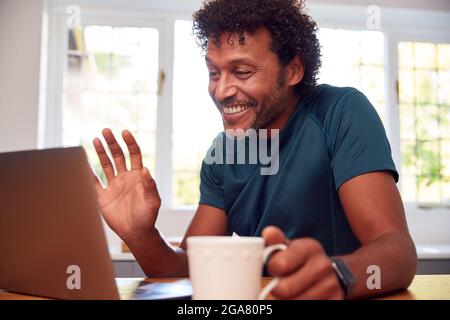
(333, 200)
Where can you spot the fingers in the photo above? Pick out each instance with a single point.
(116, 150)
(117, 153)
(309, 281)
(326, 289)
(294, 257)
(304, 269)
(104, 159)
(273, 235)
(133, 148)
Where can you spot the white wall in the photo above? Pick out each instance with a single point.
(20, 47)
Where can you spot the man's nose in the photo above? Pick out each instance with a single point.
(225, 88)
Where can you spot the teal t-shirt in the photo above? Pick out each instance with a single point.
(333, 135)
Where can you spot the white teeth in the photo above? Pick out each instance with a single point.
(236, 109)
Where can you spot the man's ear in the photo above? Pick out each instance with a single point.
(295, 71)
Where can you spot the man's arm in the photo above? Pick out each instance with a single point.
(157, 258)
(375, 212)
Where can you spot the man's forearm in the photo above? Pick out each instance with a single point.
(158, 258)
(394, 254)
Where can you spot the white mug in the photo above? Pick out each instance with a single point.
(222, 267)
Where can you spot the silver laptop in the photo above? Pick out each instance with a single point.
(52, 242)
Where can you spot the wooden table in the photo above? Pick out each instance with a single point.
(424, 287)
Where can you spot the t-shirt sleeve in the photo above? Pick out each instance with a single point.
(359, 142)
(211, 186)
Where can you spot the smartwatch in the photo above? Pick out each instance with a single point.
(345, 276)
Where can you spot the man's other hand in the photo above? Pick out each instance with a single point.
(304, 269)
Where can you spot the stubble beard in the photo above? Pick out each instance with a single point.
(272, 105)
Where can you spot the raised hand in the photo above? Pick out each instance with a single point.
(130, 202)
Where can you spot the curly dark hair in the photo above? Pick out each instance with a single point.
(292, 30)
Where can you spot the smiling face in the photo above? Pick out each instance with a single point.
(247, 83)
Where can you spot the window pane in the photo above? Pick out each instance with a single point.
(424, 83)
(426, 86)
(405, 54)
(371, 76)
(408, 125)
(98, 39)
(428, 160)
(445, 121)
(196, 121)
(354, 58)
(427, 122)
(406, 85)
(444, 56)
(445, 149)
(428, 192)
(409, 188)
(409, 158)
(425, 55)
(187, 191)
(372, 48)
(444, 86)
(110, 81)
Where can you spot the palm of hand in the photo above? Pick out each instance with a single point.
(126, 203)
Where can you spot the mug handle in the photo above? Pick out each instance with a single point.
(272, 284)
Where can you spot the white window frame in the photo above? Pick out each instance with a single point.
(90, 16)
(396, 24)
(430, 29)
(436, 36)
(427, 226)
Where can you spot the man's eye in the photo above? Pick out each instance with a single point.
(242, 73)
(213, 74)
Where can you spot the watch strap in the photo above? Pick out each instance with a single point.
(345, 276)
